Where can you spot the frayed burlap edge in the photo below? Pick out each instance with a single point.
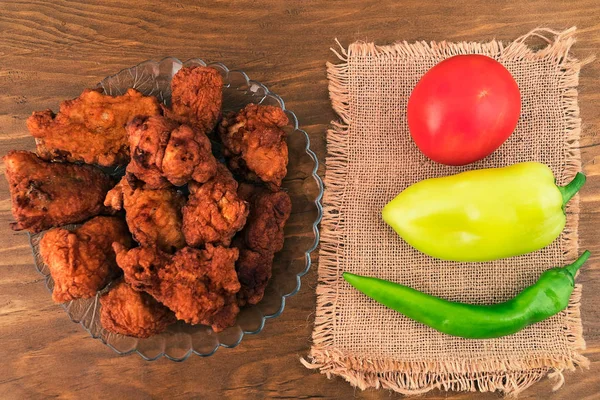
(411, 378)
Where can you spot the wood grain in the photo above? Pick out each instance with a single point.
(51, 50)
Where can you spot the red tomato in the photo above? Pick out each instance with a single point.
(463, 109)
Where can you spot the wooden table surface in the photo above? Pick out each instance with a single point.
(50, 52)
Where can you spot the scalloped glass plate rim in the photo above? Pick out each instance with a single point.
(307, 253)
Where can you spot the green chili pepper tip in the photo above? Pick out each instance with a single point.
(572, 187)
(348, 276)
(574, 267)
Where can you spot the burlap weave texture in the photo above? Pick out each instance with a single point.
(371, 158)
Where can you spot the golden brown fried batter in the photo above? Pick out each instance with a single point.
(196, 97)
(46, 194)
(260, 239)
(164, 152)
(90, 128)
(82, 261)
(269, 211)
(255, 143)
(153, 216)
(128, 312)
(148, 138)
(214, 212)
(198, 285)
(254, 271)
(188, 156)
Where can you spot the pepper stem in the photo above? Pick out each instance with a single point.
(572, 187)
(572, 268)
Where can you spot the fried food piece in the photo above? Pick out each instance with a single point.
(90, 128)
(82, 261)
(198, 285)
(46, 194)
(148, 138)
(254, 271)
(188, 156)
(261, 238)
(128, 312)
(196, 97)
(214, 212)
(153, 216)
(269, 211)
(255, 143)
(164, 152)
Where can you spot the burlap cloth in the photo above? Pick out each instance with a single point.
(371, 158)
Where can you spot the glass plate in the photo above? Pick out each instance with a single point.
(301, 232)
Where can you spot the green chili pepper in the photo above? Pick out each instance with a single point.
(548, 296)
(484, 214)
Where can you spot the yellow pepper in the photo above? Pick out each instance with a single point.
(484, 214)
